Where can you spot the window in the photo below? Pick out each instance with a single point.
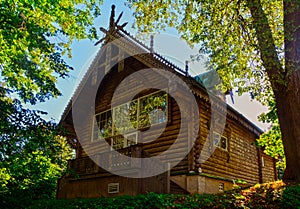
(122, 122)
(223, 143)
(125, 117)
(113, 188)
(73, 153)
(104, 122)
(121, 141)
(221, 187)
(220, 141)
(153, 109)
(130, 139)
(117, 142)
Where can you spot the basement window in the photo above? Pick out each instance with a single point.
(113, 188)
(221, 187)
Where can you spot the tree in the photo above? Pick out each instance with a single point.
(253, 44)
(33, 37)
(32, 154)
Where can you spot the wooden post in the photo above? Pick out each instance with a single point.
(275, 170)
(186, 68)
(259, 166)
(112, 18)
(191, 129)
(151, 44)
(168, 180)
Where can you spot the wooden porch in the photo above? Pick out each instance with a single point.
(87, 179)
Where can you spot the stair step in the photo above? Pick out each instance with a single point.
(176, 189)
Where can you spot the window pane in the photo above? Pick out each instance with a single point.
(105, 125)
(118, 142)
(125, 117)
(144, 113)
(221, 187)
(153, 109)
(223, 143)
(130, 139)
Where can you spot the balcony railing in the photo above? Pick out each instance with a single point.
(123, 159)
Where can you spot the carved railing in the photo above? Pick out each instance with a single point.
(117, 161)
(123, 159)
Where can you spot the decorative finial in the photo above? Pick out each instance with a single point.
(151, 44)
(186, 67)
(114, 27)
(112, 17)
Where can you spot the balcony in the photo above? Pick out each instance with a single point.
(113, 161)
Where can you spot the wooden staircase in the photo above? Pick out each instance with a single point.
(176, 189)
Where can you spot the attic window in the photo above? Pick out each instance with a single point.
(113, 188)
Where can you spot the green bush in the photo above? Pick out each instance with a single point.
(149, 201)
(274, 195)
(291, 198)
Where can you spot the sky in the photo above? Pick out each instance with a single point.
(84, 51)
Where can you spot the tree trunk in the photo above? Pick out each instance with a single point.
(285, 81)
(288, 99)
(288, 110)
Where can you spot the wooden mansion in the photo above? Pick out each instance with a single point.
(214, 156)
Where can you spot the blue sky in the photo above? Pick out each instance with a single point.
(84, 52)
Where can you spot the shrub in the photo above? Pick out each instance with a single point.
(272, 195)
(291, 198)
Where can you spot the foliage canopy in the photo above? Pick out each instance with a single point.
(33, 37)
(252, 44)
(32, 154)
(226, 34)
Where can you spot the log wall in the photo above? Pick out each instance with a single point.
(241, 160)
(154, 147)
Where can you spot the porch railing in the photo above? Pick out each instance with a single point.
(123, 159)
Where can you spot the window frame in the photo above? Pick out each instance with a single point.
(165, 92)
(124, 140)
(219, 145)
(97, 136)
(221, 187)
(113, 188)
(166, 114)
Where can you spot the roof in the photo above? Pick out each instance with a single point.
(198, 84)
